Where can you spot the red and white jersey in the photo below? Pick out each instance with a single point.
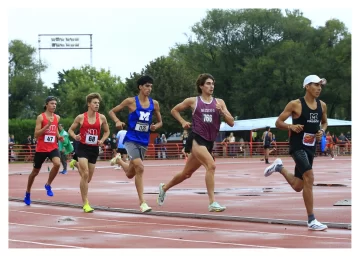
(47, 142)
(90, 133)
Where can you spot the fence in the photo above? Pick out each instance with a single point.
(25, 153)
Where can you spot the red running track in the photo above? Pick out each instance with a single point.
(240, 185)
(42, 226)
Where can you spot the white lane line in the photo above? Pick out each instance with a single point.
(39, 243)
(185, 226)
(144, 236)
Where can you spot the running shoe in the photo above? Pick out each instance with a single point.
(316, 225)
(48, 190)
(275, 166)
(27, 199)
(145, 208)
(215, 207)
(161, 197)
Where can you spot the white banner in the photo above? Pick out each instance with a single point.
(64, 41)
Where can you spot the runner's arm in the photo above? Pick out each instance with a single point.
(38, 130)
(158, 115)
(112, 113)
(187, 103)
(105, 127)
(74, 126)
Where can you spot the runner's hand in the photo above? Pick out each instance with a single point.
(77, 137)
(153, 127)
(319, 134)
(119, 124)
(296, 128)
(186, 125)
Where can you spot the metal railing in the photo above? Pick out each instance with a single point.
(25, 153)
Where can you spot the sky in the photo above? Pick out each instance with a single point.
(124, 40)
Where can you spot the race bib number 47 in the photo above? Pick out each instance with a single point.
(91, 139)
(49, 139)
(142, 127)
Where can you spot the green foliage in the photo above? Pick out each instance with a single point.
(26, 91)
(259, 58)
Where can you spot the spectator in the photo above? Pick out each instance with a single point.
(157, 143)
(184, 138)
(232, 144)
(65, 148)
(335, 144)
(242, 144)
(348, 135)
(224, 144)
(163, 146)
(114, 144)
(28, 141)
(343, 143)
(11, 143)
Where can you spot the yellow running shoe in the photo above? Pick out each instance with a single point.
(72, 163)
(87, 208)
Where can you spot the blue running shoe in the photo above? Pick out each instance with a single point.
(48, 190)
(27, 199)
(63, 172)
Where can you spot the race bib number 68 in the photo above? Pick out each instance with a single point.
(91, 139)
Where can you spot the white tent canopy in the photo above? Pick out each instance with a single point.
(261, 123)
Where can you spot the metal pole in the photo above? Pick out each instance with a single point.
(39, 58)
(91, 50)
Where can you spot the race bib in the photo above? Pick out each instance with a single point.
(49, 139)
(91, 139)
(207, 118)
(309, 139)
(142, 127)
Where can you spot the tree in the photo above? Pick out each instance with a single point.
(259, 58)
(26, 91)
(173, 82)
(75, 84)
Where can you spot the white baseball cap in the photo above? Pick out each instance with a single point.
(313, 79)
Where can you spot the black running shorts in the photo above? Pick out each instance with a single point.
(304, 161)
(91, 153)
(40, 157)
(200, 141)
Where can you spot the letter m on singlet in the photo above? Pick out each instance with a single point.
(144, 116)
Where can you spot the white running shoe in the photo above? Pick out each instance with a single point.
(316, 225)
(145, 208)
(215, 207)
(332, 159)
(161, 197)
(113, 161)
(117, 168)
(272, 168)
